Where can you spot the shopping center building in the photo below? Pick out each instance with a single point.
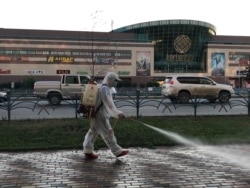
(139, 53)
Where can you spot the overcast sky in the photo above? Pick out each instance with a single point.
(230, 17)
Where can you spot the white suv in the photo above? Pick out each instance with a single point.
(183, 88)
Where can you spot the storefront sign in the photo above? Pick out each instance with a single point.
(60, 59)
(4, 71)
(123, 73)
(242, 72)
(62, 71)
(35, 72)
(174, 58)
(181, 44)
(239, 58)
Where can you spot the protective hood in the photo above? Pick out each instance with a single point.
(110, 78)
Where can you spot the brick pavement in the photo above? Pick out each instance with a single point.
(172, 167)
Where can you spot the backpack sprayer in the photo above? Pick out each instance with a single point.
(88, 100)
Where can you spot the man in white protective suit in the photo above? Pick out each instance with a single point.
(100, 124)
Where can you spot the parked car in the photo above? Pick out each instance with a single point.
(3, 96)
(69, 87)
(182, 88)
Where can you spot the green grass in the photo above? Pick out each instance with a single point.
(69, 133)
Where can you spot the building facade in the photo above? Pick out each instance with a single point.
(179, 45)
(138, 53)
(228, 58)
(45, 55)
(192, 47)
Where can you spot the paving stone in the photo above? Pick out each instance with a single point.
(173, 167)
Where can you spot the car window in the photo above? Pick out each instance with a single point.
(188, 80)
(72, 80)
(84, 80)
(205, 81)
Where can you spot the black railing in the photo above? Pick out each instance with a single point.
(26, 105)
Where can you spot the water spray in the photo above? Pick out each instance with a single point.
(235, 157)
(171, 135)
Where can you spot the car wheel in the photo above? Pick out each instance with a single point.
(184, 97)
(224, 97)
(54, 99)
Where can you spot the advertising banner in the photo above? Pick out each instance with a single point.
(143, 63)
(239, 58)
(218, 64)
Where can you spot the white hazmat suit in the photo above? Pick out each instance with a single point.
(100, 124)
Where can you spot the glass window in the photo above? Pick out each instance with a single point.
(23, 52)
(31, 52)
(60, 53)
(15, 51)
(206, 81)
(67, 53)
(72, 80)
(39, 52)
(84, 80)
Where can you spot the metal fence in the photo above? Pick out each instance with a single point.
(138, 103)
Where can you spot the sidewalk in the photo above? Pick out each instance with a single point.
(172, 167)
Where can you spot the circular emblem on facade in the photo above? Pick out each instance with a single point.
(182, 44)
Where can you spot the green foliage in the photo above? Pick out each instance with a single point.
(27, 83)
(69, 133)
(5, 85)
(134, 85)
(152, 84)
(141, 85)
